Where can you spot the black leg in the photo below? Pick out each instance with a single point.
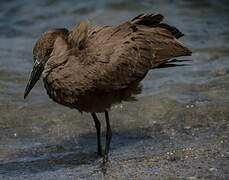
(108, 137)
(97, 126)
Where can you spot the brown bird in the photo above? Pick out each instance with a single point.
(92, 69)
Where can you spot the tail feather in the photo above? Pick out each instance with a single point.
(176, 60)
(163, 40)
(148, 19)
(175, 32)
(154, 20)
(168, 64)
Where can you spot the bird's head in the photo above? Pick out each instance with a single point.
(42, 51)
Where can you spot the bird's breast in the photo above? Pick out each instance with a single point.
(73, 94)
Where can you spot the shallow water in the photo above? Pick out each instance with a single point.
(179, 108)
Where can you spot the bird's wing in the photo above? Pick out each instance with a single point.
(119, 56)
(118, 61)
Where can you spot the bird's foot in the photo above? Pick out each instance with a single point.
(105, 158)
(100, 153)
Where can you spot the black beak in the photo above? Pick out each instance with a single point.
(34, 76)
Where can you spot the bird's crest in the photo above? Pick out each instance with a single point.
(78, 36)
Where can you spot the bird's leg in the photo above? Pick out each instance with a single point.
(97, 126)
(108, 137)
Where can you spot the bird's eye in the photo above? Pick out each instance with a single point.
(48, 52)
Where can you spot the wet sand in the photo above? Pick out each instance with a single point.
(187, 142)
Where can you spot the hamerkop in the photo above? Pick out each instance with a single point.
(92, 69)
